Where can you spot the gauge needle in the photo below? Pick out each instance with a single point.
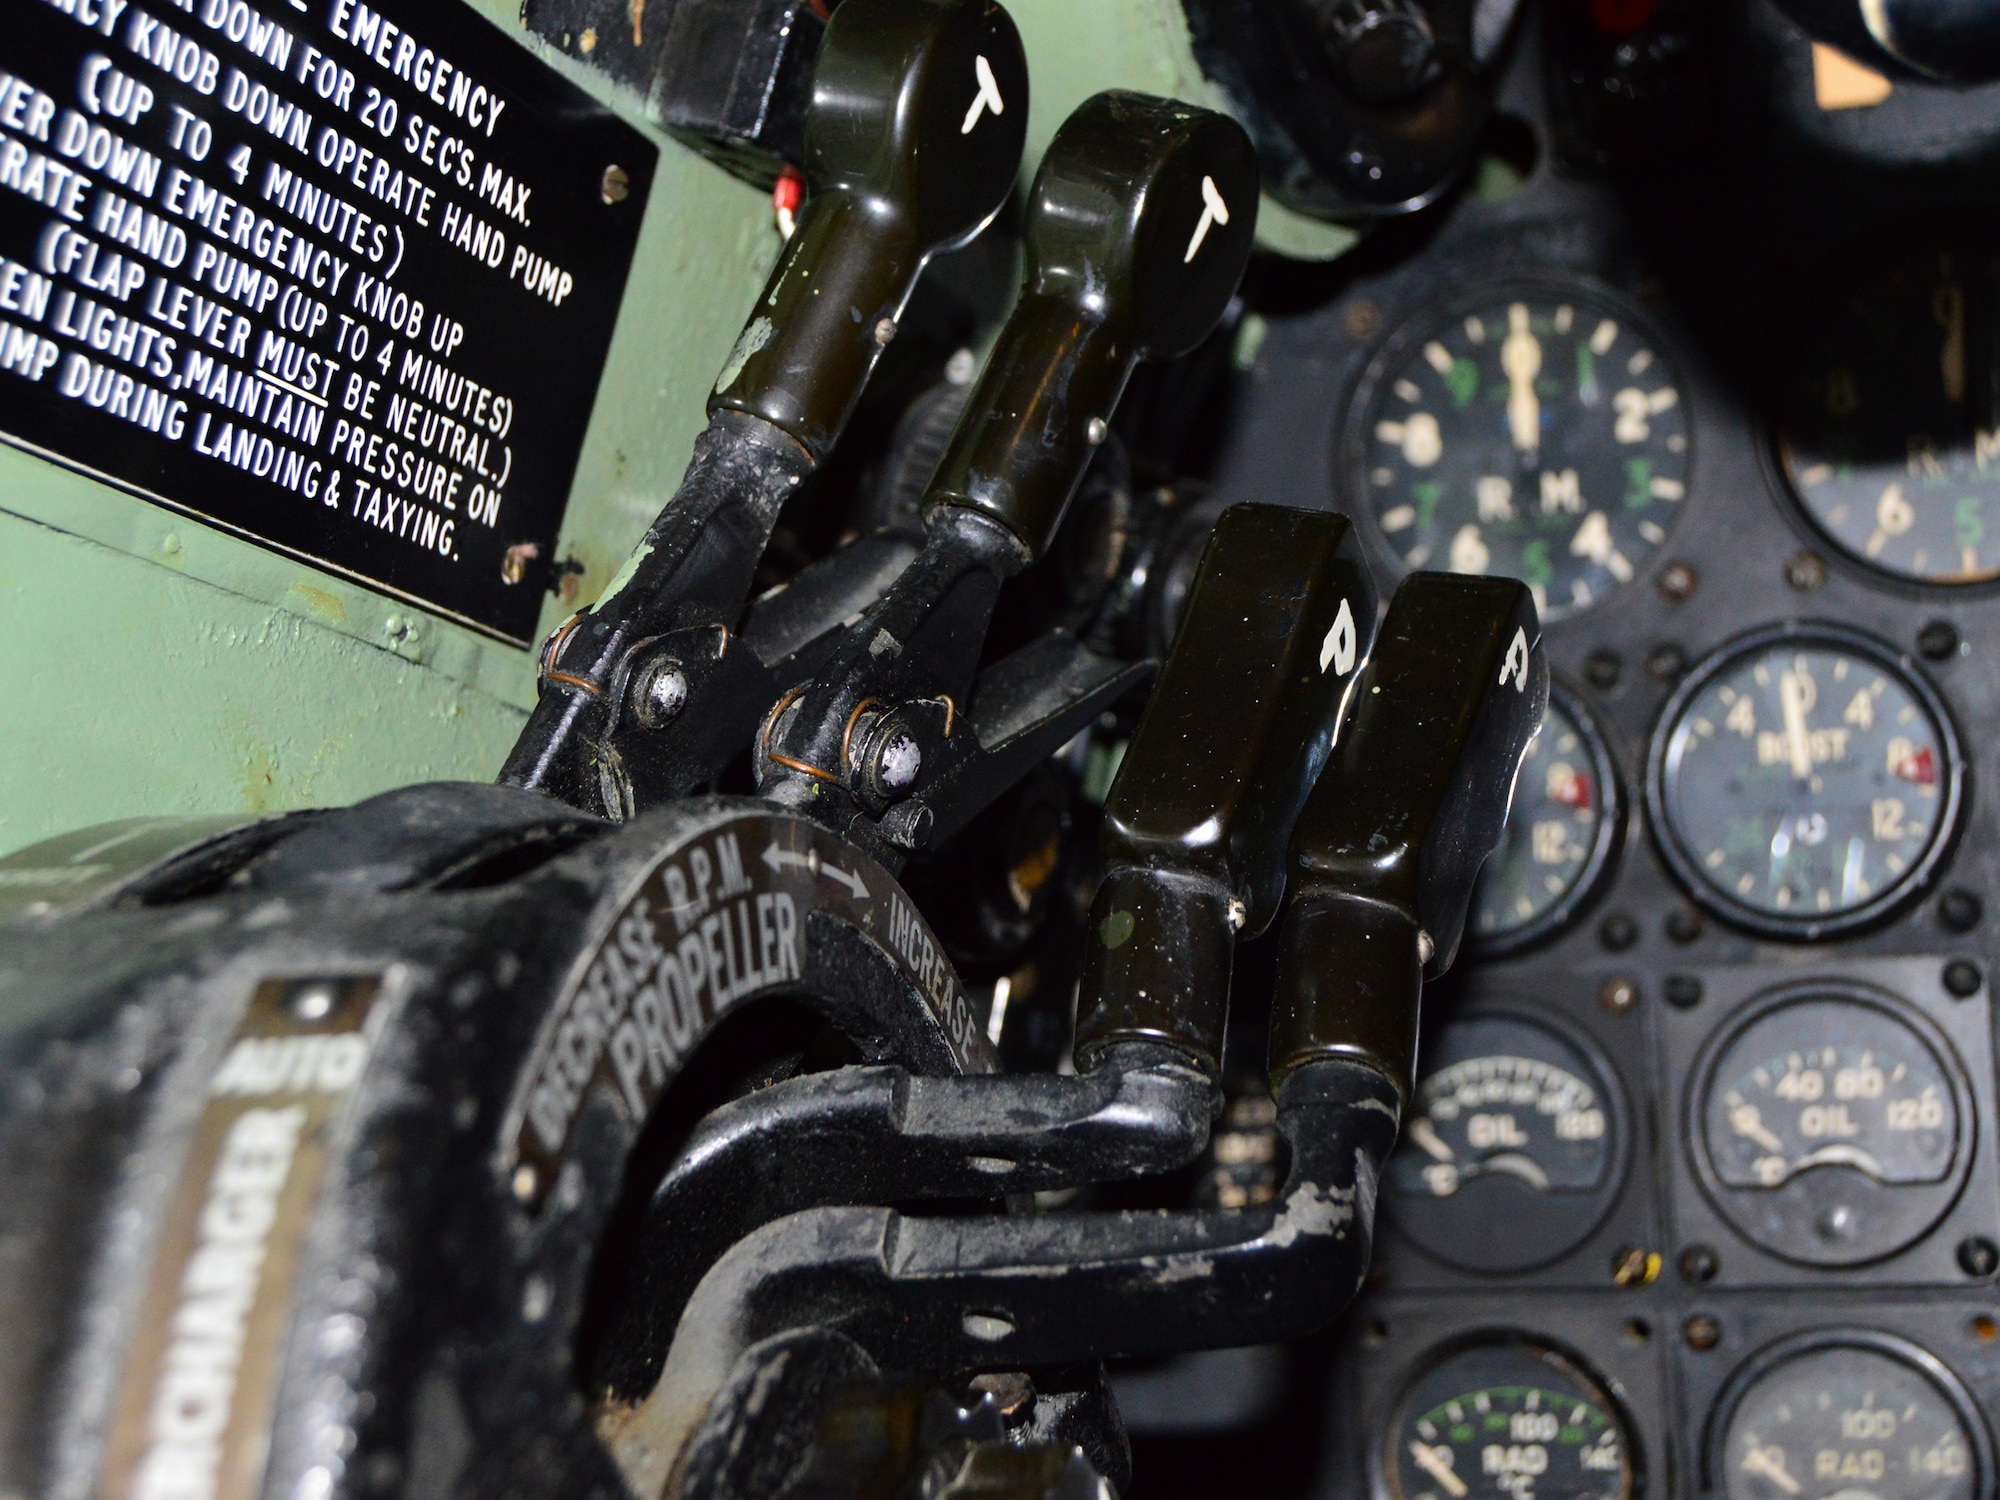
(1434, 1466)
(1792, 693)
(1760, 1461)
(1521, 359)
(1425, 1134)
(1748, 1122)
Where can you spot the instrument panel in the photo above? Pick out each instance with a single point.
(1698, 1192)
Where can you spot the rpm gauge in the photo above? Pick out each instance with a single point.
(1535, 433)
(1559, 837)
(1892, 438)
(1508, 1421)
(1805, 782)
(1856, 1416)
(1832, 1128)
(1513, 1149)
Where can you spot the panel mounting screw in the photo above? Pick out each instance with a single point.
(1978, 1256)
(1938, 641)
(1684, 924)
(1959, 910)
(1618, 994)
(1962, 978)
(1806, 571)
(1699, 1265)
(1683, 991)
(1702, 1333)
(1618, 932)
(617, 185)
(1603, 670)
(1677, 582)
(1667, 663)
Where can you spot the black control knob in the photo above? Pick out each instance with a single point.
(1279, 621)
(1383, 50)
(1137, 231)
(1410, 805)
(912, 143)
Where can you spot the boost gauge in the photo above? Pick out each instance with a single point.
(1514, 1147)
(1508, 1421)
(1561, 833)
(1847, 1416)
(1535, 432)
(1804, 782)
(1833, 1128)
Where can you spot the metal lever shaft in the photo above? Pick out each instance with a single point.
(1408, 809)
(912, 143)
(1137, 231)
(1279, 617)
(1386, 851)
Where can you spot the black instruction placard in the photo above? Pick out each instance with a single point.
(339, 277)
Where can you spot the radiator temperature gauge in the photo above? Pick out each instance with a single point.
(1508, 1421)
(1848, 1416)
(1832, 1129)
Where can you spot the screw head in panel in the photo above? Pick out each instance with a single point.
(1699, 1265)
(1978, 1256)
(1677, 582)
(1962, 978)
(1806, 571)
(1683, 991)
(1617, 932)
(1959, 910)
(1938, 641)
(1618, 994)
(1702, 1332)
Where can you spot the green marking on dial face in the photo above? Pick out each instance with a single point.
(1850, 1423)
(1513, 1442)
(1537, 437)
(1892, 434)
(1805, 781)
(1552, 829)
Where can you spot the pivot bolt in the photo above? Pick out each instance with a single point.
(897, 763)
(663, 693)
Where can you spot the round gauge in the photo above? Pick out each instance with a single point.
(1891, 440)
(1851, 1416)
(1508, 1421)
(1514, 1147)
(1804, 782)
(1538, 434)
(1559, 838)
(1833, 1128)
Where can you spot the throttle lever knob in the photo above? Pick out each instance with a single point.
(912, 143)
(1411, 803)
(1137, 231)
(1279, 620)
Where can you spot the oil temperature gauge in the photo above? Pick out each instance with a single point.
(1535, 432)
(1514, 1148)
(1834, 1127)
(1561, 834)
(1508, 1421)
(1805, 782)
(1848, 1416)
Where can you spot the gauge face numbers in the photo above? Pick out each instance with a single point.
(1832, 1129)
(1554, 841)
(1804, 783)
(1537, 436)
(1892, 440)
(1830, 1083)
(1508, 1422)
(1511, 1152)
(1847, 1424)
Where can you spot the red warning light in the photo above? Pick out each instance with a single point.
(1620, 17)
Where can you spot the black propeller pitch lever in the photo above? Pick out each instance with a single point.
(1411, 803)
(1279, 619)
(1136, 234)
(912, 143)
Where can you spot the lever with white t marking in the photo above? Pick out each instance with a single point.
(912, 143)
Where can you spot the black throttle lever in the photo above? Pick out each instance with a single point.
(1136, 234)
(1411, 803)
(1279, 619)
(912, 143)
